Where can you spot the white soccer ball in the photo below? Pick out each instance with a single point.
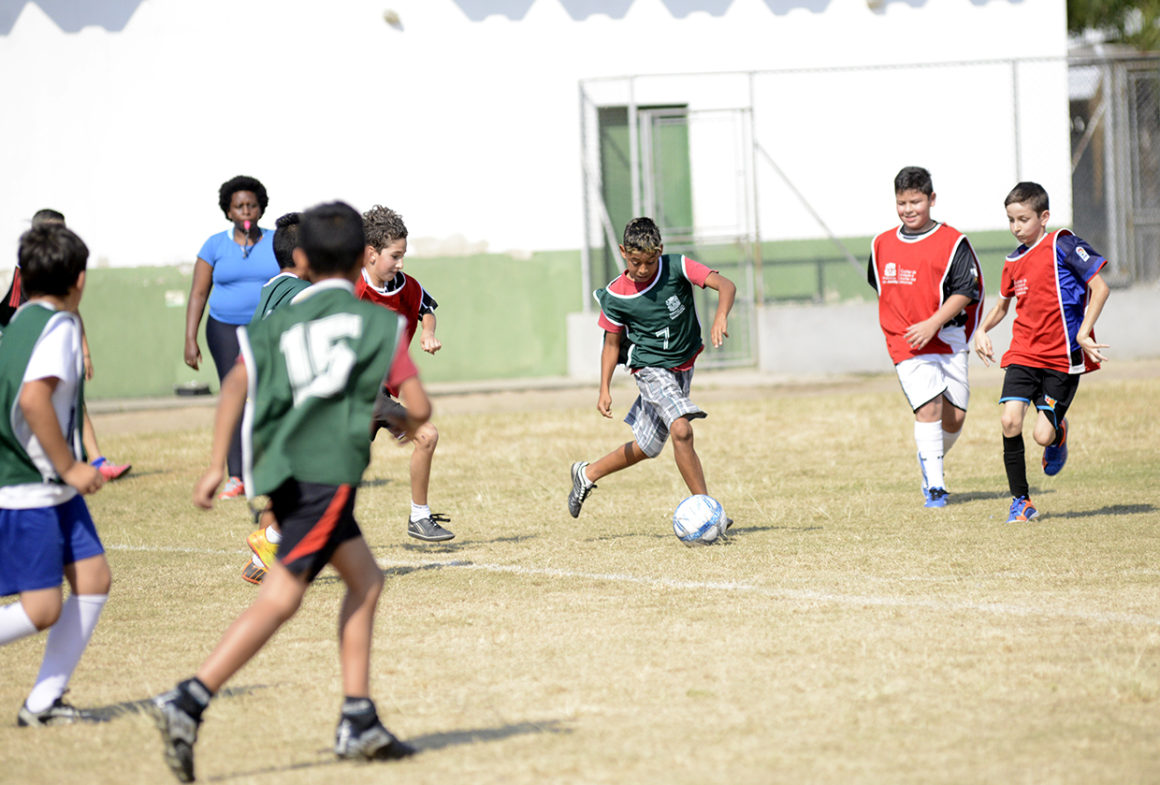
(699, 520)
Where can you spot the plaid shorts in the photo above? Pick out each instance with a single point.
(664, 397)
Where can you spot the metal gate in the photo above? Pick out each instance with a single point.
(1115, 115)
(691, 172)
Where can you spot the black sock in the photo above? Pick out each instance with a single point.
(1015, 463)
(360, 711)
(193, 697)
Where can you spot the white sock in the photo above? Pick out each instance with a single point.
(14, 623)
(273, 536)
(949, 440)
(928, 436)
(420, 511)
(66, 643)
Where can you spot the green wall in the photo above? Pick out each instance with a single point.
(498, 317)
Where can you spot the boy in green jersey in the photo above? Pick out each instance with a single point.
(276, 292)
(307, 381)
(650, 309)
(46, 532)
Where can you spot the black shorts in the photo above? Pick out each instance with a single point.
(315, 520)
(1051, 392)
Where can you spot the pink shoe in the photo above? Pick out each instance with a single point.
(110, 470)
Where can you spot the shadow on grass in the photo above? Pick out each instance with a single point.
(734, 531)
(426, 743)
(377, 482)
(116, 710)
(973, 496)
(1111, 509)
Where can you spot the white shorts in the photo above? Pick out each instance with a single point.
(928, 376)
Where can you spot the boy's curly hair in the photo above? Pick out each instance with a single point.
(382, 226)
(642, 234)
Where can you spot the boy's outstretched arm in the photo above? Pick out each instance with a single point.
(230, 404)
(608, 357)
(726, 292)
(36, 404)
(983, 346)
(1100, 292)
(427, 340)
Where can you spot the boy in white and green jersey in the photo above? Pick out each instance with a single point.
(649, 311)
(46, 532)
(307, 381)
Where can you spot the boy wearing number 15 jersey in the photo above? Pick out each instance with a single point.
(308, 379)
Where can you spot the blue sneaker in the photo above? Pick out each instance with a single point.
(936, 497)
(1055, 456)
(1022, 510)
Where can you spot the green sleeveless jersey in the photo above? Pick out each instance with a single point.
(21, 459)
(314, 367)
(278, 291)
(660, 323)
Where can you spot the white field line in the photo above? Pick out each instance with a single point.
(798, 595)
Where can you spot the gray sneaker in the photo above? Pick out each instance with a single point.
(59, 713)
(374, 743)
(429, 530)
(580, 489)
(178, 733)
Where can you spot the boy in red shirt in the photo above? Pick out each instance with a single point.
(930, 288)
(383, 282)
(1055, 276)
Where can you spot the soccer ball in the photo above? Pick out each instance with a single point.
(699, 520)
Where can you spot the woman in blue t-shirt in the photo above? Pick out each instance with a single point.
(230, 271)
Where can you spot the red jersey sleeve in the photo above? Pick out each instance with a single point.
(1006, 282)
(402, 369)
(608, 325)
(695, 272)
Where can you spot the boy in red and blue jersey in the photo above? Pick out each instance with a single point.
(1055, 277)
(650, 306)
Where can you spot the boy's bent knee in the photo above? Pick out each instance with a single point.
(681, 430)
(427, 436)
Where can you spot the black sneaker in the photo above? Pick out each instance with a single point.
(178, 733)
(429, 530)
(374, 743)
(59, 713)
(580, 489)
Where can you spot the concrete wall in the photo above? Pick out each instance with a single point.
(815, 340)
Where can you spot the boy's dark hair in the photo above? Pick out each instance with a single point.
(332, 237)
(1031, 194)
(286, 239)
(51, 258)
(383, 226)
(642, 234)
(241, 183)
(47, 216)
(913, 178)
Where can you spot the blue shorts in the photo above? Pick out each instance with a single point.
(37, 544)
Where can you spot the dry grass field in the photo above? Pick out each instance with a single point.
(843, 634)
